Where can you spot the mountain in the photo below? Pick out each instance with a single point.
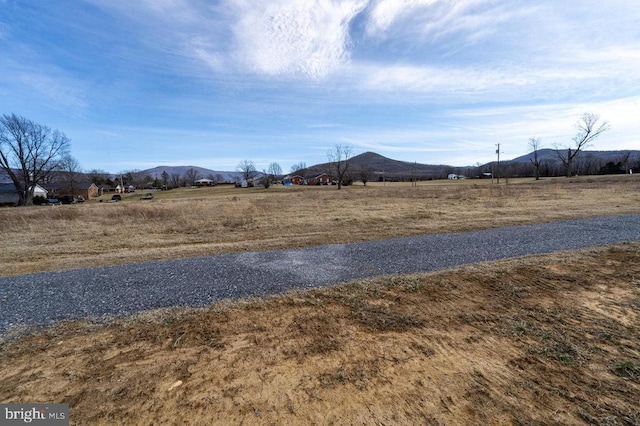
(220, 176)
(379, 166)
(546, 154)
(585, 163)
(602, 156)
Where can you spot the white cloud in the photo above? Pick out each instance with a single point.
(384, 13)
(431, 20)
(295, 37)
(213, 60)
(454, 83)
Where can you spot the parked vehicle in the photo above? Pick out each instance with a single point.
(80, 199)
(51, 202)
(116, 197)
(67, 199)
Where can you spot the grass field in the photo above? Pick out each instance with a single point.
(194, 222)
(551, 339)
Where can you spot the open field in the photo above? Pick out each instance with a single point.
(551, 339)
(195, 222)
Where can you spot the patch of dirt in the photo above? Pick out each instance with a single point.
(540, 340)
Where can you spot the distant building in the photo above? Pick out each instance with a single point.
(205, 182)
(87, 190)
(9, 196)
(294, 179)
(321, 179)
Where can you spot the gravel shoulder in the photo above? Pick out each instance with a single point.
(36, 300)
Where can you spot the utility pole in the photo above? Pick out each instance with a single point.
(498, 167)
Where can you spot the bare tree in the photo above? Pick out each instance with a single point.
(248, 170)
(299, 169)
(339, 157)
(588, 164)
(100, 177)
(272, 173)
(29, 153)
(70, 173)
(534, 145)
(134, 178)
(139, 179)
(274, 170)
(266, 178)
(365, 173)
(191, 176)
(624, 161)
(588, 131)
(175, 180)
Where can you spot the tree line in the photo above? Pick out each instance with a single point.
(142, 179)
(339, 165)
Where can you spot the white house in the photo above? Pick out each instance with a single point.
(205, 182)
(122, 189)
(40, 192)
(9, 195)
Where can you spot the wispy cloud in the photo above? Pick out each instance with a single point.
(384, 13)
(45, 84)
(294, 37)
(450, 24)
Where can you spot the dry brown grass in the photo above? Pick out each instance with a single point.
(193, 222)
(553, 339)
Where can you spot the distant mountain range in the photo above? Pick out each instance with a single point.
(377, 166)
(590, 162)
(603, 156)
(219, 176)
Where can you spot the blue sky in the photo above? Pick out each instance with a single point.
(137, 84)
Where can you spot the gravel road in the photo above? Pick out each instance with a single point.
(36, 300)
